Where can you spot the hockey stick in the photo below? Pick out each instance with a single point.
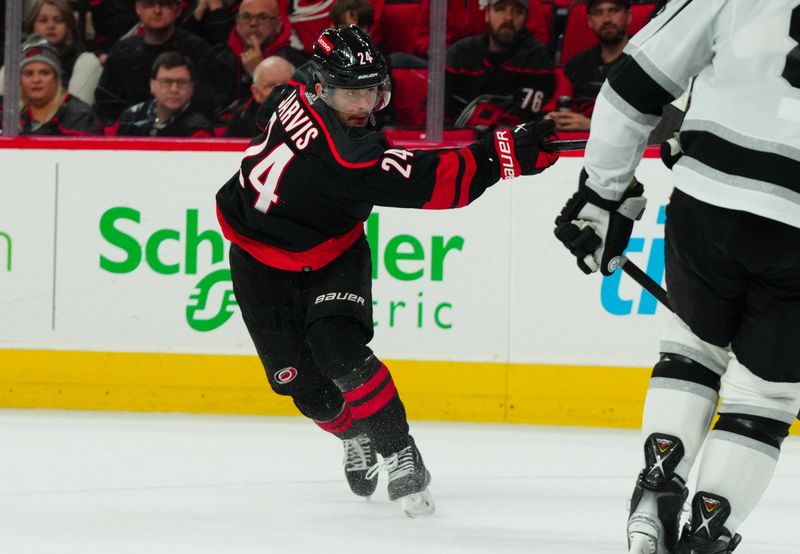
(563, 145)
(642, 278)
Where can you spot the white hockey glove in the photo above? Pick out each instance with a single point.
(596, 231)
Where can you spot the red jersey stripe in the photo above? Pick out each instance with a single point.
(466, 178)
(272, 256)
(444, 189)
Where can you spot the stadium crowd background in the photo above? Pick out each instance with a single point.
(199, 68)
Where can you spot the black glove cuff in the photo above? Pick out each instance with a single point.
(592, 197)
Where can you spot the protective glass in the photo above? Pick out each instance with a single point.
(358, 100)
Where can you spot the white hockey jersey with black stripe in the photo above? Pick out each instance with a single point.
(741, 134)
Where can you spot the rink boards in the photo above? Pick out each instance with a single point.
(115, 294)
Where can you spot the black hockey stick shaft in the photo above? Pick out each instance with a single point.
(644, 281)
(563, 145)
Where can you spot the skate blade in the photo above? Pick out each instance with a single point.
(641, 544)
(418, 504)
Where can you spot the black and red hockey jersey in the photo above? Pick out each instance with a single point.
(307, 184)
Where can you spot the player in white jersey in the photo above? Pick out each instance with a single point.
(732, 255)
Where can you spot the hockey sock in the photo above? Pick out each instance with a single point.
(325, 406)
(681, 402)
(342, 426)
(742, 451)
(372, 397)
(739, 460)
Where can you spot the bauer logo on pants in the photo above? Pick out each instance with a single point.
(285, 375)
(348, 296)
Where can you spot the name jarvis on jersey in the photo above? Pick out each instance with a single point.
(292, 116)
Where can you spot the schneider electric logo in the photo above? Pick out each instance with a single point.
(211, 302)
(188, 251)
(5, 251)
(408, 258)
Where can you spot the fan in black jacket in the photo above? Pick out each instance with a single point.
(501, 77)
(171, 113)
(126, 73)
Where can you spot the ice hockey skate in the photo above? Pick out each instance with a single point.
(658, 498)
(707, 533)
(408, 480)
(359, 457)
(654, 521)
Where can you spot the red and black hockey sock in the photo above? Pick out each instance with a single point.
(326, 407)
(342, 426)
(375, 405)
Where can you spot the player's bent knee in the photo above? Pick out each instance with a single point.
(679, 339)
(338, 344)
(320, 404)
(676, 366)
(762, 429)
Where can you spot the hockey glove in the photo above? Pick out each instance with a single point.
(519, 150)
(596, 230)
(671, 152)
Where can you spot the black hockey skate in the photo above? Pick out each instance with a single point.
(408, 481)
(359, 457)
(657, 500)
(707, 533)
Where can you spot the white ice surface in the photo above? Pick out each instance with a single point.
(119, 483)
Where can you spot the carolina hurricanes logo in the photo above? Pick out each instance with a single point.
(325, 44)
(308, 10)
(710, 504)
(31, 52)
(285, 375)
(663, 445)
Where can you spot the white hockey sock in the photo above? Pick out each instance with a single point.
(738, 468)
(685, 414)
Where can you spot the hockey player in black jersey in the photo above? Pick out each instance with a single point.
(300, 262)
(732, 257)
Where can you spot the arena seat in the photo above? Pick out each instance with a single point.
(409, 96)
(397, 25)
(541, 24)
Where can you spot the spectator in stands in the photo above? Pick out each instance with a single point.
(502, 76)
(211, 20)
(126, 75)
(609, 21)
(228, 68)
(353, 12)
(111, 20)
(55, 21)
(46, 108)
(466, 18)
(270, 73)
(170, 113)
(309, 18)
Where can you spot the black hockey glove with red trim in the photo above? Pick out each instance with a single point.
(596, 230)
(519, 150)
